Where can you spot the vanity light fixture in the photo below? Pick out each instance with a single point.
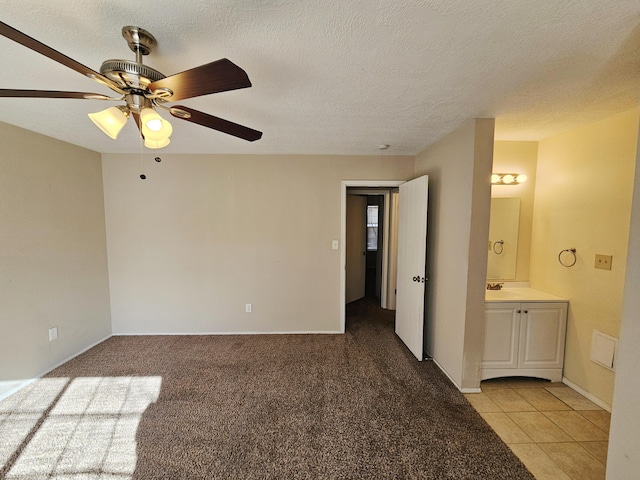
(508, 178)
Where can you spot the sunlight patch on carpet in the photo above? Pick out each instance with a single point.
(60, 428)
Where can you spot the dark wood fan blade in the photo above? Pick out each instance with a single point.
(136, 118)
(29, 42)
(219, 76)
(217, 123)
(5, 92)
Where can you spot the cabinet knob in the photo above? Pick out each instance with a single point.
(526, 311)
(519, 311)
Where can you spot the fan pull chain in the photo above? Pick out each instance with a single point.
(142, 175)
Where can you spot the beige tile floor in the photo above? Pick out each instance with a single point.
(556, 432)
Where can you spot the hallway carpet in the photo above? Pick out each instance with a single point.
(353, 406)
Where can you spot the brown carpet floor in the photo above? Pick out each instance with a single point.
(353, 406)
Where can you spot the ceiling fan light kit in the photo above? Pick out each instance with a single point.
(144, 89)
(153, 144)
(111, 120)
(154, 127)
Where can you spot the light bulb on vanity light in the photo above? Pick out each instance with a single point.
(508, 178)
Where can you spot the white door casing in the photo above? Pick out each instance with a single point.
(392, 250)
(412, 261)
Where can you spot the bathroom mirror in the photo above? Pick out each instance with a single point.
(503, 238)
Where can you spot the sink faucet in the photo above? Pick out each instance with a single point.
(494, 286)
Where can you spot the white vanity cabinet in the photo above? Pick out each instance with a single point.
(524, 338)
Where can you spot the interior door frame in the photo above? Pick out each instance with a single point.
(344, 184)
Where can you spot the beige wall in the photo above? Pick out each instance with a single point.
(518, 157)
(52, 252)
(206, 234)
(583, 200)
(459, 168)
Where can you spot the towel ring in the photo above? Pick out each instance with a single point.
(572, 251)
(499, 245)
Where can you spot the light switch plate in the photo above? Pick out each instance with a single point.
(53, 333)
(603, 261)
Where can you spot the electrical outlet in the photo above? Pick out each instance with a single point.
(603, 261)
(247, 308)
(53, 333)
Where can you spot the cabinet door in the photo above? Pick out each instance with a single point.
(542, 333)
(501, 326)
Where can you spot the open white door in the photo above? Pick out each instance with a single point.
(356, 247)
(412, 261)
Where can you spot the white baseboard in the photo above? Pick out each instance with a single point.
(16, 385)
(462, 390)
(586, 394)
(305, 332)
(470, 390)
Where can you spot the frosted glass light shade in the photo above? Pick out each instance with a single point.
(110, 121)
(150, 119)
(156, 143)
(165, 132)
(154, 127)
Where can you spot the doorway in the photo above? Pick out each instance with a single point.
(409, 253)
(365, 244)
(383, 261)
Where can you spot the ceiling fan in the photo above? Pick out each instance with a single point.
(143, 89)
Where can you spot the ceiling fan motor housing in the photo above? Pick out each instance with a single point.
(129, 74)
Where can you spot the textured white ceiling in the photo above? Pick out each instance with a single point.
(338, 76)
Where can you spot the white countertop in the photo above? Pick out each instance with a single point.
(520, 294)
